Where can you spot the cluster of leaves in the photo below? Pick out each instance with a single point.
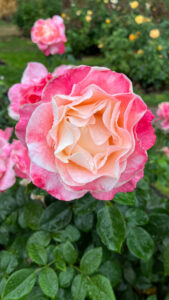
(88, 249)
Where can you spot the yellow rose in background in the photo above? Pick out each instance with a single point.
(132, 37)
(159, 48)
(100, 46)
(134, 4)
(89, 12)
(154, 33)
(139, 19)
(108, 21)
(140, 51)
(63, 15)
(78, 13)
(88, 18)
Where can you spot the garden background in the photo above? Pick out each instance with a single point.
(133, 254)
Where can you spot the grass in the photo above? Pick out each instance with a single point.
(16, 52)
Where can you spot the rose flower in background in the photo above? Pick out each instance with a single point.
(34, 79)
(163, 115)
(7, 174)
(89, 132)
(49, 35)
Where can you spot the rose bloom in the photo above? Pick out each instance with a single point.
(20, 157)
(154, 33)
(139, 19)
(163, 115)
(49, 35)
(166, 151)
(7, 174)
(134, 4)
(89, 132)
(34, 79)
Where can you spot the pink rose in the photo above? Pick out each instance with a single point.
(49, 35)
(7, 174)
(166, 151)
(163, 114)
(21, 160)
(90, 132)
(29, 90)
(61, 70)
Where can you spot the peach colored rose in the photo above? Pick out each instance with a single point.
(7, 174)
(163, 115)
(21, 160)
(89, 132)
(49, 35)
(29, 90)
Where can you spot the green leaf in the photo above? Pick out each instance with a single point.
(152, 297)
(140, 243)
(32, 213)
(48, 282)
(91, 261)
(125, 198)
(99, 288)
(85, 206)
(84, 223)
(69, 253)
(8, 262)
(78, 288)
(65, 277)
(166, 259)
(37, 253)
(19, 284)
(136, 216)
(40, 237)
(35, 294)
(56, 216)
(60, 261)
(111, 270)
(70, 233)
(111, 227)
(2, 284)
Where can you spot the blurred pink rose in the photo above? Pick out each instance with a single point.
(90, 132)
(29, 90)
(7, 174)
(49, 35)
(166, 151)
(21, 160)
(163, 115)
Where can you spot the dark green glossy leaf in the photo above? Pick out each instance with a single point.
(56, 216)
(85, 205)
(32, 213)
(136, 216)
(69, 253)
(99, 288)
(140, 243)
(111, 227)
(125, 198)
(91, 261)
(111, 270)
(37, 253)
(65, 277)
(78, 288)
(48, 282)
(19, 284)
